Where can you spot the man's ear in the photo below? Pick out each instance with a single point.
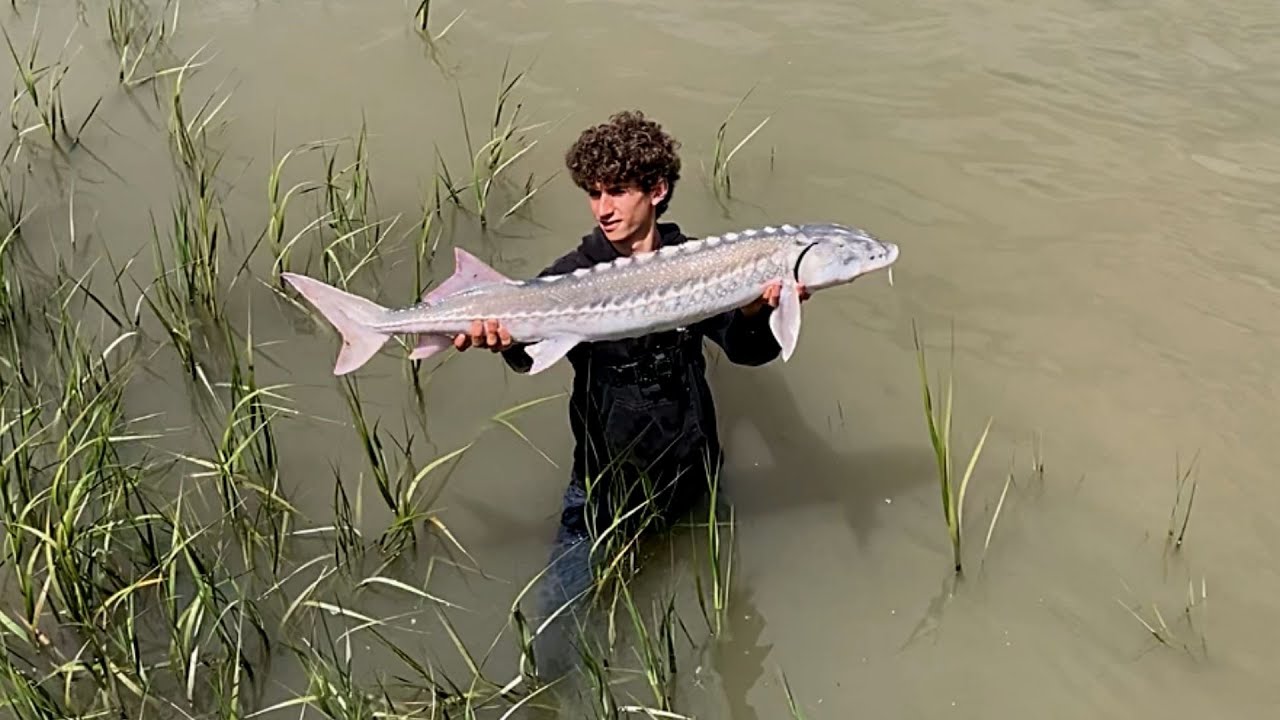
(659, 192)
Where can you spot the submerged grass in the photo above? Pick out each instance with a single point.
(1187, 631)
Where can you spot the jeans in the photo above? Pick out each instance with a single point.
(569, 577)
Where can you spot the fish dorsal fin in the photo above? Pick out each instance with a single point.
(468, 272)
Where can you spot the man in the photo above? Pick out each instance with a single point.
(641, 411)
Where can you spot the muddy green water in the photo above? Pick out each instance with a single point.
(1085, 189)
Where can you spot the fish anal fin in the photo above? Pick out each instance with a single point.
(785, 319)
(548, 352)
(468, 271)
(429, 345)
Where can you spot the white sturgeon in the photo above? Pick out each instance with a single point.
(674, 286)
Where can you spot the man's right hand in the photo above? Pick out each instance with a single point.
(484, 333)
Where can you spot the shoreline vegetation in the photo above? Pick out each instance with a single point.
(152, 571)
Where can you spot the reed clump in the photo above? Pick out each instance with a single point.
(38, 103)
(491, 163)
(140, 36)
(400, 483)
(280, 248)
(120, 603)
(166, 568)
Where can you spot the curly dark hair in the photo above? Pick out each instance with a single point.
(629, 149)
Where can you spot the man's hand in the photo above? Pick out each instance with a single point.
(484, 333)
(772, 292)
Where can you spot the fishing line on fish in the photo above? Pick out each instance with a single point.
(796, 271)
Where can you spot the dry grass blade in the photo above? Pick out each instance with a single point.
(502, 419)
(994, 517)
(653, 712)
(792, 705)
(968, 474)
(392, 582)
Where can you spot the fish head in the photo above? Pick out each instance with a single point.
(832, 254)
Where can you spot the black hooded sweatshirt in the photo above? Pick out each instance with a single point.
(644, 402)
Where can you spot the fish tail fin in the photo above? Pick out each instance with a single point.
(350, 315)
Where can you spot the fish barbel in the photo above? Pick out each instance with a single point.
(633, 295)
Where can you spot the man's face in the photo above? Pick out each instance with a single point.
(624, 212)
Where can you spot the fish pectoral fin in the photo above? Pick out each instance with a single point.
(785, 319)
(429, 345)
(548, 352)
(468, 271)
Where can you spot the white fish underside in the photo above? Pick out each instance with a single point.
(676, 286)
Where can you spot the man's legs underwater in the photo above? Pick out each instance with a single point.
(568, 580)
(565, 584)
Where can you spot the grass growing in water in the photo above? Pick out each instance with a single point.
(397, 482)
(105, 570)
(13, 306)
(162, 583)
(1176, 534)
(281, 249)
(490, 163)
(48, 105)
(939, 424)
(721, 181)
(137, 36)
(246, 462)
(1192, 637)
(719, 565)
(422, 21)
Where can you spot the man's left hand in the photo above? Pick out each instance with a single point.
(772, 292)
